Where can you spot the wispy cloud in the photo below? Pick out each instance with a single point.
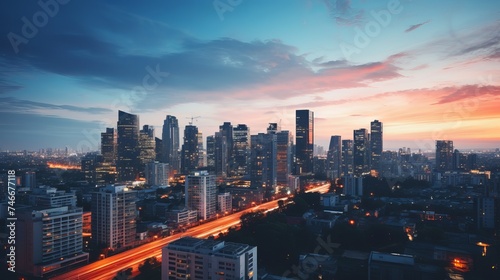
(415, 26)
(343, 13)
(468, 92)
(10, 104)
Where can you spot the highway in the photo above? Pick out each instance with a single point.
(109, 267)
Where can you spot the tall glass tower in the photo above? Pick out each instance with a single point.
(127, 164)
(304, 141)
(170, 142)
(376, 144)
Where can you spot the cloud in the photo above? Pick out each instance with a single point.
(415, 26)
(343, 13)
(468, 92)
(10, 104)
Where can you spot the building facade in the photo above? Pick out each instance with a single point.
(360, 152)
(49, 240)
(157, 173)
(304, 141)
(189, 153)
(113, 217)
(376, 144)
(201, 194)
(170, 142)
(193, 258)
(127, 163)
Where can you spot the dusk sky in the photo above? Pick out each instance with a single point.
(428, 70)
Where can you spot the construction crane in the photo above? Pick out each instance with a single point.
(192, 119)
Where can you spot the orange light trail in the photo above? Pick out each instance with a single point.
(54, 165)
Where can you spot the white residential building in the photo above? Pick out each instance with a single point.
(113, 217)
(225, 202)
(193, 258)
(49, 240)
(201, 194)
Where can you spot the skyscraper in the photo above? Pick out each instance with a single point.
(226, 130)
(284, 143)
(444, 155)
(127, 163)
(147, 145)
(211, 153)
(241, 151)
(304, 141)
(220, 155)
(113, 217)
(347, 158)
(189, 155)
(201, 194)
(334, 157)
(360, 152)
(108, 145)
(264, 162)
(170, 141)
(376, 144)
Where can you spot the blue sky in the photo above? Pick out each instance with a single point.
(427, 69)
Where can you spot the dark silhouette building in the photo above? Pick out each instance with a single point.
(376, 144)
(170, 141)
(304, 141)
(334, 157)
(241, 150)
(127, 163)
(109, 145)
(360, 152)
(444, 155)
(189, 155)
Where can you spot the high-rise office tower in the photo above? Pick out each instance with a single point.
(202, 153)
(360, 152)
(264, 162)
(193, 258)
(284, 157)
(113, 217)
(226, 130)
(376, 144)
(109, 145)
(147, 146)
(347, 158)
(170, 140)
(127, 163)
(189, 153)
(201, 194)
(221, 165)
(334, 157)
(241, 151)
(444, 155)
(158, 149)
(304, 141)
(211, 153)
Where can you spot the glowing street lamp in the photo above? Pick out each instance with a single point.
(485, 246)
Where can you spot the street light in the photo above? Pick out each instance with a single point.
(485, 246)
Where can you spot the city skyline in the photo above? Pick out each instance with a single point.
(427, 72)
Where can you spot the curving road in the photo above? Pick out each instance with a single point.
(109, 267)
